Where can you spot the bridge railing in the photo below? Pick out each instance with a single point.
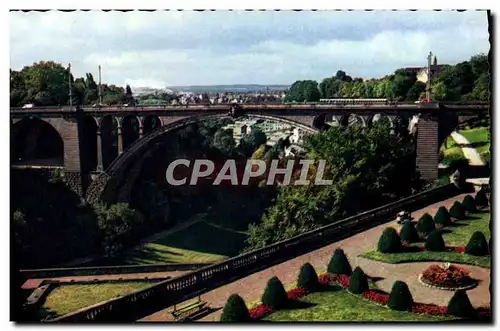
(135, 305)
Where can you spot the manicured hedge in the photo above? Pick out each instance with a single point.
(308, 278)
(408, 233)
(435, 242)
(425, 225)
(274, 295)
(235, 310)
(389, 241)
(339, 264)
(477, 245)
(400, 297)
(358, 282)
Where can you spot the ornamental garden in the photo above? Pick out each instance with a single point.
(343, 292)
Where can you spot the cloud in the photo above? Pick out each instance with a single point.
(222, 47)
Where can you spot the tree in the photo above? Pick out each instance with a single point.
(308, 279)
(224, 142)
(415, 91)
(477, 245)
(425, 225)
(459, 305)
(235, 310)
(339, 264)
(442, 217)
(46, 83)
(128, 94)
(400, 297)
(408, 233)
(435, 242)
(457, 211)
(389, 241)
(358, 283)
(274, 295)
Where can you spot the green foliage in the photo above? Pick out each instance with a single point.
(408, 233)
(274, 295)
(369, 167)
(46, 84)
(481, 199)
(339, 264)
(224, 142)
(303, 90)
(435, 242)
(389, 241)
(469, 204)
(308, 279)
(400, 297)
(457, 211)
(358, 283)
(235, 310)
(459, 305)
(425, 225)
(116, 223)
(442, 217)
(477, 245)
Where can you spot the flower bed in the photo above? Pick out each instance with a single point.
(421, 248)
(448, 277)
(375, 296)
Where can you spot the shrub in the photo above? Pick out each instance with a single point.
(469, 204)
(435, 242)
(308, 279)
(425, 225)
(442, 217)
(389, 241)
(274, 295)
(358, 282)
(459, 305)
(408, 233)
(477, 244)
(339, 264)
(400, 297)
(481, 199)
(235, 310)
(457, 211)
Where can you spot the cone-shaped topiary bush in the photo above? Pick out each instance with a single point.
(477, 244)
(457, 211)
(408, 233)
(358, 282)
(469, 204)
(339, 264)
(442, 217)
(425, 225)
(400, 297)
(435, 242)
(308, 278)
(481, 199)
(459, 305)
(235, 310)
(389, 241)
(274, 295)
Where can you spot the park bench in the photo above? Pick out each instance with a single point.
(184, 312)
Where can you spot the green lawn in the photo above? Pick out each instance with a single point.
(456, 235)
(200, 242)
(342, 306)
(65, 299)
(451, 152)
(478, 137)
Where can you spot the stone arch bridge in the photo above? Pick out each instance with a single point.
(101, 150)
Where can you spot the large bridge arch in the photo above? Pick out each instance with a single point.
(36, 142)
(115, 183)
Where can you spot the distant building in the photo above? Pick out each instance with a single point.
(423, 72)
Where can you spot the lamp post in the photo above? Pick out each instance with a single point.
(70, 89)
(100, 87)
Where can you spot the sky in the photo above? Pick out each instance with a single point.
(178, 48)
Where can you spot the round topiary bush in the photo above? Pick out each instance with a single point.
(435, 242)
(389, 241)
(339, 264)
(457, 211)
(400, 297)
(459, 305)
(469, 204)
(358, 282)
(308, 278)
(481, 199)
(425, 225)
(477, 244)
(442, 217)
(274, 295)
(408, 233)
(235, 310)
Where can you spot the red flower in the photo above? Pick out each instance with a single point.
(452, 276)
(296, 293)
(423, 308)
(377, 297)
(326, 279)
(259, 311)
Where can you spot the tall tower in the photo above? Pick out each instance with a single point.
(100, 87)
(70, 89)
(428, 87)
